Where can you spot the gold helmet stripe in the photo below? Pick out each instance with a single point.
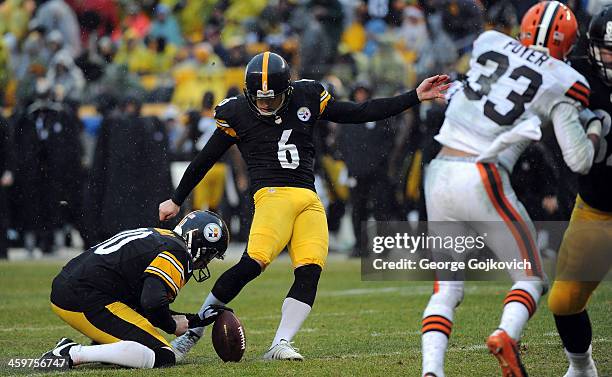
(264, 71)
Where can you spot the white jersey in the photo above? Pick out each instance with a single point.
(510, 91)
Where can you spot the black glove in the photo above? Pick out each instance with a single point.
(210, 315)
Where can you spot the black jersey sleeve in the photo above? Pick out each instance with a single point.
(218, 144)
(368, 111)
(155, 304)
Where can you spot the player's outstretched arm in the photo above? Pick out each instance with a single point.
(382, 108)
(197, 169)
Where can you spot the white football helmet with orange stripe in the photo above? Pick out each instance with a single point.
(549, 26)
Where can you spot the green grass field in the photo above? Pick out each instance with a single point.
(356, 328)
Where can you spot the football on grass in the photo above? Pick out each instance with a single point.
(228, 337)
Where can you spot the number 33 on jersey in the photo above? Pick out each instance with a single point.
(506, 84)
(278, 152)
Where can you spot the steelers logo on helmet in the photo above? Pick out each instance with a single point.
(303, 113)
(212, 232)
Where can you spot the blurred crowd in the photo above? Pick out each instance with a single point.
(104, 100)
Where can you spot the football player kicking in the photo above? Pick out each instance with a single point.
(584, 257)
(272, 124)
(117, 291)
(512, 88)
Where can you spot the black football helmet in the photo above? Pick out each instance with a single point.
(206, 236)
(267, 76)
(600, 38)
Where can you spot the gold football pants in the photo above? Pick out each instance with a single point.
(584, 259)
(288, 216)
(112, 323)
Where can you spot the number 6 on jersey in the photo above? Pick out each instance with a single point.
(283, 148)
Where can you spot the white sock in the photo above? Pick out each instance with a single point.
(521, 303)
(294, 313)
(433, 346)
(580, 361)
(124, 353)
(514, 318)
(210, 300)
(440, 311)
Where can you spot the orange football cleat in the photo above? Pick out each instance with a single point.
(506, 352)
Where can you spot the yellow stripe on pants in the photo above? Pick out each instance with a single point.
(80, 323)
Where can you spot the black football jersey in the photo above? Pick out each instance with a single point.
(594, 187)
(119, 265)
(279, 151)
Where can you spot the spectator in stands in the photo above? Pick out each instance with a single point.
(97, 18)
(55, 44)
(117, 80)
(190, 14)
(331, 16)
(32, 67)
(354, 36)
(237, 55)
(439, 53)
(14, 17)
(136, 21)
(316, 49)
(386, 68)
(463, 21)
(57, 15)
(93, 61)
(374, 29)
(32, 50)
(66, 78)
(7, 167)
(174, 129)
(502, 16)
(165, 25)
(413, 31)
(206, 60)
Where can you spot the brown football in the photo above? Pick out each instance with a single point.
(228, 337)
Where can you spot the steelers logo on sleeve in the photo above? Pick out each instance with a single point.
(303, 114)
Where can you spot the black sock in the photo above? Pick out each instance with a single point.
(304, 286)
(575, 331)
(231, 282)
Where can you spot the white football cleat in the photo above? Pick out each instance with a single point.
(283, 351)
(184, 343)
